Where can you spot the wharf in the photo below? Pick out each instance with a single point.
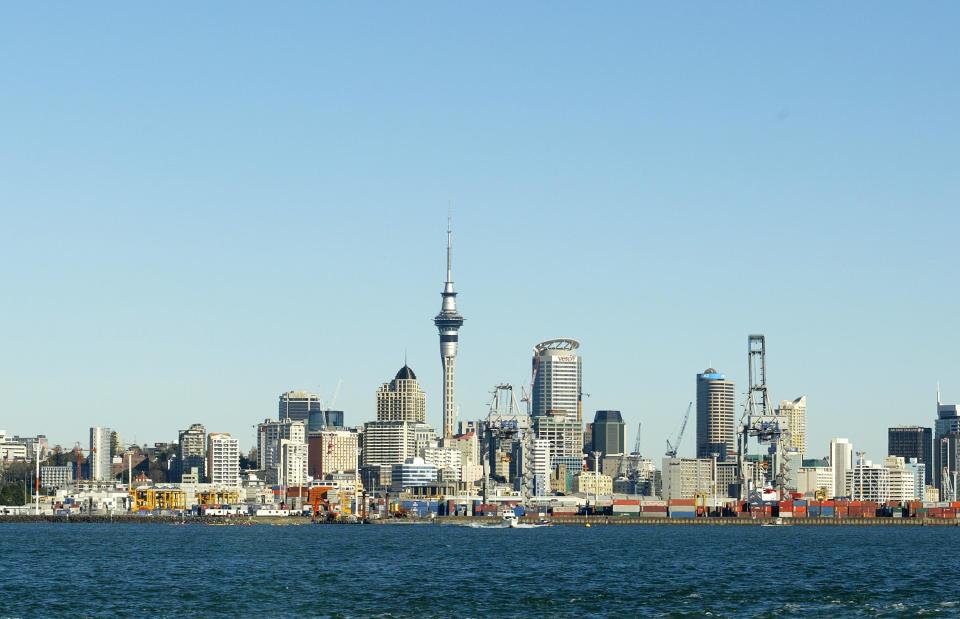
(627, 520)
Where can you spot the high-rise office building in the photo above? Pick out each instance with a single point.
(912, 442)
(948, 422)
(608, 433)
(223, 459)
(325, 420)
(841, 459)
(101, 459)
(716, 409)
(448, 323)
(297, 405)
(192, 451)
(402, 399)
(796, 413)
(557, 379)
(948, 449)
(566, 439)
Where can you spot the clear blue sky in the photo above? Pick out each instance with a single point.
(205, 206)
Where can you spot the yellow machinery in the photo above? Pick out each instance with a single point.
(218, 497)
(150, 499)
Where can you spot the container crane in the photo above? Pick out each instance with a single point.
(672, 448)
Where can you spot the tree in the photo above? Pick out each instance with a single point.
(12, 493)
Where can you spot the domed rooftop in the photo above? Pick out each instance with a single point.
(710, 371)
(405, 373)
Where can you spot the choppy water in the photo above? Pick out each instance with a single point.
(411, 571)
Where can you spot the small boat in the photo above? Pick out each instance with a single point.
(512, 522)
(777, 522)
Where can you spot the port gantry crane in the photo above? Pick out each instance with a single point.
(760, 421)
(505, 423)
(673, 448)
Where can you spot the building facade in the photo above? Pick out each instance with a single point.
(223, 460)
(716, 410)
(192, 451)
(402, 399)
(947, 422)
(412, 473)
(912, 442)
(841, 460)
(269, 435)
(796, 413)
(101, 458)
(557, 379)
(297, 405)
(608, 433)
(292, 467)
(333, 451)
(56, 477)
(564, 434)
(388, 442)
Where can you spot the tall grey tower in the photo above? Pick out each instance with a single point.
(448, 323)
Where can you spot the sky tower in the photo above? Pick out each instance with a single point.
(448, 323)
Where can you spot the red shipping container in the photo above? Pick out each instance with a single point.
(679, 502)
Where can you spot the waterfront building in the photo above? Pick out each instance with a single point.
(590, 483)
(796, 413)
(412, 473)
(388, 442)
(293, 463)
(269, 435)
(816, 475)
(297, 405)
(608, 433)
(101, 457)
(557, 379)
(424, 437)
(402, 399)
(541, 467)
(56, 477)
(867, 481)
(947, 422)
(841, 459)
(223, 459)
(716, 409)
(468, 444)
(683, 478)
(912, 442)
(192, 452)
(333, 451)
(448, 323)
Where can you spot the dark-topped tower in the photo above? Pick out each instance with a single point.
(448, 323)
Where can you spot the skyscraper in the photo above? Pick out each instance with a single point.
(402, 399)
(716, 407)
(297, 405)
(841, 459)
(912, 442)
(608, 433)
(948, 422)
(448, 323)
(557, 379)
(192, 451)
(101, 460)
(796, 414)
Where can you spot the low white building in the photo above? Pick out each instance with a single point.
(56, 477)
(906, 479)
(448, 460)
(868, 482)
(11, 450)
(412, 473)
(589, 483)
(292, 467)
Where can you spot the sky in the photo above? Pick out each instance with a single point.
(204, 206)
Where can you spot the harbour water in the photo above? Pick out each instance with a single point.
(92, 570)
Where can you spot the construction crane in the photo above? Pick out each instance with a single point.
(672, 448)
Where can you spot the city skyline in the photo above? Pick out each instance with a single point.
(193, 230)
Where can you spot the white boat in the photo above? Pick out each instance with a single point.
(512, 522)
(777, 522)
